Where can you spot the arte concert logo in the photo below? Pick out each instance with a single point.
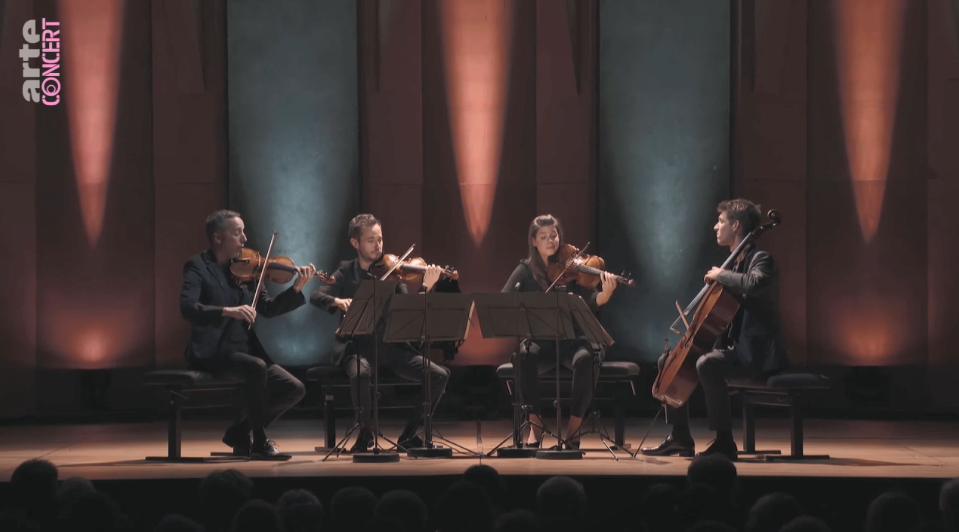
(43, 74)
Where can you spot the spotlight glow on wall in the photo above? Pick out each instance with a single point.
(868, 45)
(91, 33)
(476, 58)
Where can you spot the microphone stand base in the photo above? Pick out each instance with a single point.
(382, 457)
(513, 452)
(559, 455)
(430, 452)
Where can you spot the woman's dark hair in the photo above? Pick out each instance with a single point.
(536, 264)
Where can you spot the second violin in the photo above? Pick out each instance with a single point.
(410, 271)
(584, 269)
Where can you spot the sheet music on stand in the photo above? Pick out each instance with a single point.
(532, 315)
(365, 312)
(447, 318)
(586, 321)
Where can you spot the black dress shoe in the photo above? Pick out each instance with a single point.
(364, 439)
(408, 438)
(726, 448)
(669, 446)
(267, 451)
(239, 440)
(412, 443)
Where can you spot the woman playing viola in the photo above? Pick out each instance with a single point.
(538, 357)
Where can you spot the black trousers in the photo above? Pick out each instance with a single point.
(269, 390)
(401, 360)
(539, 357)
(716, 370)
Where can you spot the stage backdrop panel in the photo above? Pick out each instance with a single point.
(95, 248)
(293, 145)
(664, 76)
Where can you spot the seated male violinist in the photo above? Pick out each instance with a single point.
(754, 346)
(222, 342)
(354, 355)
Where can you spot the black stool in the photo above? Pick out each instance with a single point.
(783, 390)
(179, 384)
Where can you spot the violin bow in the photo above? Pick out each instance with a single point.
(398, 262)
(266, 264)
(568, 264)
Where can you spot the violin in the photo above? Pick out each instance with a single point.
(570, 264)
(248, 266)
(410, 271)
(715, 310)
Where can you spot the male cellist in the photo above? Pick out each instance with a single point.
(753, 347)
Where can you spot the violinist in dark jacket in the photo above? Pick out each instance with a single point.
(222, 341)
(355, 355)
(754, 345)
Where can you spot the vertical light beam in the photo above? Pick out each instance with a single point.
(91, 32)
(868, 38)
(476, 57)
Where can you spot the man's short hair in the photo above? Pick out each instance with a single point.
(742, 211)
(216, 222)
(361, 222)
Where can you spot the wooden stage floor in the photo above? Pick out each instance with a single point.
(858, 449)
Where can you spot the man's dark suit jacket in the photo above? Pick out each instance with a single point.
(757, 329)
(348, 277)
(207, 290)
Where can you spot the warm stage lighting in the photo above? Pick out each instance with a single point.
(476, 57)
(868, 37)
(91, 33)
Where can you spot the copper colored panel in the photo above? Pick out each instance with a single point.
(943, 291)
(787, 244)
(867, 302)
(569, 203)
(181, 211)
(393, 109)
(17, 126)
(774, 135)
(18, 315)
(563, 112)
(398, 207)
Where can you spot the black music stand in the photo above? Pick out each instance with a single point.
(366, 314)
(600, 340)
(422, 319)
(527, 316)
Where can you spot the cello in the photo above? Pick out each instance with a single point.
(715, 310)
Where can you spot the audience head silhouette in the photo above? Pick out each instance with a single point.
(772, 511)
(300, 511)
(892, 511)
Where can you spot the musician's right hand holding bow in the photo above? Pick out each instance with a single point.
(342, 304)
(242, 312)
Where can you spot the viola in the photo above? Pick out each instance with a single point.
(410, 271)
(570, 264)
(715, 310)
(248, 266)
